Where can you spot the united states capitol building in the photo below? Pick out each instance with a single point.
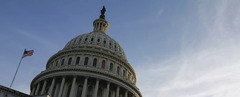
(90, 65)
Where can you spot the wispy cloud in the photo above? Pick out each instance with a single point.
(212, 70)
(43, 41)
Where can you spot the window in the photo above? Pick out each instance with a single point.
(92, 39)
(63, 61)
(110, 45)
(86, 39)
(118, 70)
(56, 63)
(69, 60)
(89, 92)
(124, 73)
(104, 41)
(103, 64)
(79, 91)
(129, 76)
(77, 60)
(80, 39)
(86, 61)
(98, 40)
(95, 62)
(111, 67)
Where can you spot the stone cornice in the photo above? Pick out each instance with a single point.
(19, 94)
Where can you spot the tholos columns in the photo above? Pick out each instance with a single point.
(84, 92)
(107, 91)
(51, 87)
(61, 87)
(117, 94)
(44, 86)
(96, 88)
(73, 85)
(37, 89)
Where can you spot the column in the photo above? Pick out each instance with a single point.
(72, 87)
(51, 87)
(107, 91)
(61, 87)
(126, 93)
(36, 93)
(56, 90)
(44, 86)
(84, 87)
(96, 88)
(117, 94)
(32, 92)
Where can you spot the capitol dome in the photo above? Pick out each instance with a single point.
(90, 65)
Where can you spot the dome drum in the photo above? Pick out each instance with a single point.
(71, 58)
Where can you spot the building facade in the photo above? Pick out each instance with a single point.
(90, 65)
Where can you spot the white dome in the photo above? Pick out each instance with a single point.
(97, 40)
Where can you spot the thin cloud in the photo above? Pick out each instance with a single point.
(211, 70)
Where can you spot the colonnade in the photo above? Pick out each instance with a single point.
(100, 26)
(78, 86)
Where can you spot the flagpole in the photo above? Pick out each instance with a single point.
(16, 72)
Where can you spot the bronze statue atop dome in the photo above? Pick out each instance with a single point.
(102, 16)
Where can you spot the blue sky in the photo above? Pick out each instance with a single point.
(183, 48)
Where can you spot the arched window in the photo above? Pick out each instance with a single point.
(56, 63)
(98, 40)
(124, 73)
(100, 92)
(86, 39)
(92, 39)
(79, 91)
(118, 70)
(63, 61)
(94, 62)
(77, 60)
(90, 91)
(103, 64)
(129, 75)
(104, 41)
(69, 90)
(69, 60)
(86, 61)
(111, 67)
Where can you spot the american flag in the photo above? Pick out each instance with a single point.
(27, 53)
